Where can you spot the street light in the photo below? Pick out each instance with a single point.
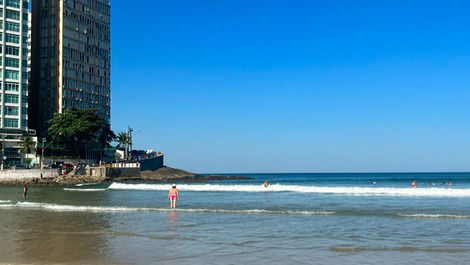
(42, 152)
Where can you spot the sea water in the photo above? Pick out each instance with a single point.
(300, 218)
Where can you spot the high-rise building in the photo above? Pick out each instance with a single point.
(70, 59)
(14, 78)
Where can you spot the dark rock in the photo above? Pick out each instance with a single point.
(166, 174)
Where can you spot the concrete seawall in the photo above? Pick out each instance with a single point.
(153, 163)
(18, 175)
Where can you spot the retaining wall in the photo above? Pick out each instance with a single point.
(115, 172)
(153, 163)
(23, 174)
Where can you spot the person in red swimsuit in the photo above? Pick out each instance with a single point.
(173, 195)
(266, 184)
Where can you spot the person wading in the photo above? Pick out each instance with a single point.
(173, 195)
(25, 191)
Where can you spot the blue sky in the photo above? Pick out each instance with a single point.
(295, 86)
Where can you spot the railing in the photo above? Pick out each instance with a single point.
(123, 165)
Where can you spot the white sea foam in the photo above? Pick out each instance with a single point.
(76, 208)
(70, 189)
(86, 184)
(5, 201)
(435, 216)
(358, 191)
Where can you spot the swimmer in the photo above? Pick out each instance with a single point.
(173, 195)
(414, 184)
(449, 184)
(266, 184)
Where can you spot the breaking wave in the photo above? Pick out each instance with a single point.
(435, 216)
(5, 201)
(70, 189)
(87, 184)
(358, 191)
(98, 209)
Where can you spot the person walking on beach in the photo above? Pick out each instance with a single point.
(173, 195)
(25, 191)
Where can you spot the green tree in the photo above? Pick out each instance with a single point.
(76, 125)
(80, 128)
(106, 135)
(27, 145)
(124, 141)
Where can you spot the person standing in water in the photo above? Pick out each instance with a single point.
(266, 184)
(173, 195)
(25, 191)
(413, 184)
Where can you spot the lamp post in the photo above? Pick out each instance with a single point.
(42, 152)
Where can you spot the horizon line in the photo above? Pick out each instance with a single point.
(371, 172)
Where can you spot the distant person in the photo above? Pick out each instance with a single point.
(173, 195)
(413, 184)
(25, 191)
(450, 184)
(266, 184)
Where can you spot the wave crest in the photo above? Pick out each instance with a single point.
(358, 191)
(76, 208)
(435, 216)
(71, 189)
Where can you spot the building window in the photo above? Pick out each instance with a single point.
(12, 50)
(12, 38)
(13, 3)
(13, 14)
(10, 74)
(12, 62)
(12, 26)
(11, 123)
(9, 110)
(11, 98)
(9, 86)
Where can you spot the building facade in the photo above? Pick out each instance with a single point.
(70, 59)
(14, 44)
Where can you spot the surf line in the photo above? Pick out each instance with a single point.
(356, 191)
(117, 209)
(71, 189)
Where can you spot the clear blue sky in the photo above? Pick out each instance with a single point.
(295, 86)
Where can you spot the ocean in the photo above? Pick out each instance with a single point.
(373, 218)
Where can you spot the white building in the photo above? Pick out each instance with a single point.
(14, 42)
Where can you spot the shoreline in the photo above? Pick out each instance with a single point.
(161, 175)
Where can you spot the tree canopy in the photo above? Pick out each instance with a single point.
(27, 145)
(123, 140)
(82, 126)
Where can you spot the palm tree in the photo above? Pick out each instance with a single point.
(27, 145)
(124, 141)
